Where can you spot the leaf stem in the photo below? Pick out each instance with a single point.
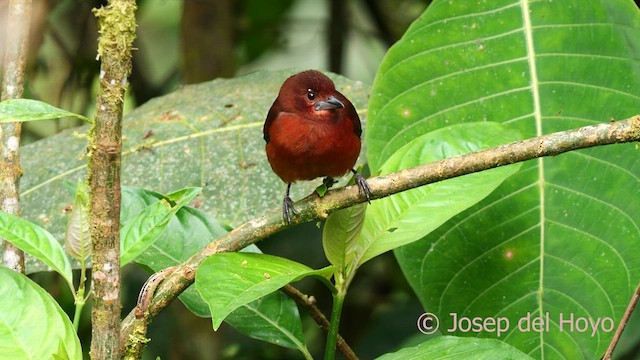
(336, 312)
(309, 304)
(80, 299)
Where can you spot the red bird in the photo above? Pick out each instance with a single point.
(312, 131)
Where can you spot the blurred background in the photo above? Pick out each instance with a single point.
(191, 41)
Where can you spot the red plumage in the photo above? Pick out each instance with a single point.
(312, 131)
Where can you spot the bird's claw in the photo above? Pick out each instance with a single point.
(287, 209)
(363, 187)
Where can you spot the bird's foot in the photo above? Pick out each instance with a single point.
(363, 186)
(287, 209)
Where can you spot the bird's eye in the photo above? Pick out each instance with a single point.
(310, 94)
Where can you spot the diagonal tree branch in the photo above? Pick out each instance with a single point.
(17, 30)
(117, 32)
(623, 324)
(313, 207)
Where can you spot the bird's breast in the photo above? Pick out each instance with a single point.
(305, 149)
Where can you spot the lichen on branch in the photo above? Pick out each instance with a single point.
(117, 32)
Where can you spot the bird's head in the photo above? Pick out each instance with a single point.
(310, 92)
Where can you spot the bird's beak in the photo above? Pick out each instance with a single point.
(329, 104)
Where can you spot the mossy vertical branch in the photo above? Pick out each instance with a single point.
(117, 32)
(17, 30)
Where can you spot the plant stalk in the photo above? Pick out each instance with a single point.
(17, 38)
(332, 335)
(80, 299)
(117, 32)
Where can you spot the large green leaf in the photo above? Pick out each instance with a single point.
(207, 135)
(455, 348)
(560, 236)
(408, 216)
(32, 324)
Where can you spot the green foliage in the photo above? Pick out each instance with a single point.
(188, 231)
(340, 236)
(77, 240)
(560, 235)
(32, 110)
(32, 324)
(455, 348)
(36, 241)
(273, 318)
(229, 280)
(140, 232)
(555, 237)
(207, 135)
(408, 216)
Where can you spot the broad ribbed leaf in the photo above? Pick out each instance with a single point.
(228, 281)
(37, 242)
(32, 110)
(32, 324)
(273, 318)
(560, 236)
(455, 348)
(408, 216)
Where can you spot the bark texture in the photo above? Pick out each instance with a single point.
(15, 60)
(117, 32)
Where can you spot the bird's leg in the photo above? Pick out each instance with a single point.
(287, 206)
(363, 186)
(328, 182)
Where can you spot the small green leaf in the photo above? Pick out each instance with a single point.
(321, 190)
(228, 281)
(458, 348)
(340, 234)
(78, 238)
(36, 241)
(140, 232)
(408, 216)
(32, 324)
(32, 110)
